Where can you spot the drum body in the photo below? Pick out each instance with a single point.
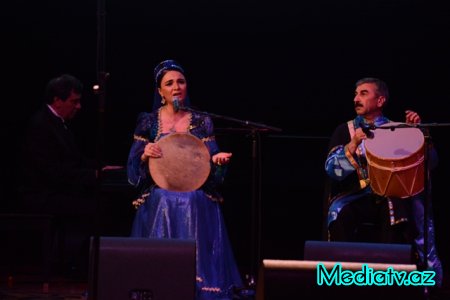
(395, 158)
(184, 165)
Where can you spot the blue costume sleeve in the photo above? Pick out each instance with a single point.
(337, 165)
(217, 172)
(137, 170)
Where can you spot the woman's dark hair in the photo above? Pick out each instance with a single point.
(163, 67)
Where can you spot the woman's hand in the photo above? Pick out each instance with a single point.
(221, 158)
(151, 150)
(412, 117)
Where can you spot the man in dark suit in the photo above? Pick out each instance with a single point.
(56, 178)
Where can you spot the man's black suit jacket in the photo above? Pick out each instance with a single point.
(57, 178)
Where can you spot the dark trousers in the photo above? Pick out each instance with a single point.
(368, 220)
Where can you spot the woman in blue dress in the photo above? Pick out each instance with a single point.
(183, 215)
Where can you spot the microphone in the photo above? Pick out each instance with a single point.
(366, 128)
(176, 104)
(181, 106)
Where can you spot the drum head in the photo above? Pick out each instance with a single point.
(395, 143)
(184, 165)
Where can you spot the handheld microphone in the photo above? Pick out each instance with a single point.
(176, 104)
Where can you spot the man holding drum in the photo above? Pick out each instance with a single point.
(354, 198)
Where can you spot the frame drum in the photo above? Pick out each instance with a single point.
(395, 158)
(184, 165)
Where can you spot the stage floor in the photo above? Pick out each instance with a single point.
(60, 288)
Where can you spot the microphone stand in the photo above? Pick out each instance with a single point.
(100, 90)
(253, 125)
(427, 181)
(255, 129)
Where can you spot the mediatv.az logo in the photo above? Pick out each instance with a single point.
(368, 276)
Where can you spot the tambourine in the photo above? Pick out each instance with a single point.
(184, 165)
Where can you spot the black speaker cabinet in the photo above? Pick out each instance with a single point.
(358, 252)
(298, 279)
(141, 269)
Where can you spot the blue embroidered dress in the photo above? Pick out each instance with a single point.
(185, 215)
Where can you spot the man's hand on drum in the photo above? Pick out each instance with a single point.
(221, 158)
(357, 138)
(412, 117)
(151, 150)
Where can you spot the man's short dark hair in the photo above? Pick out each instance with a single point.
(382, 87)
(61, 87)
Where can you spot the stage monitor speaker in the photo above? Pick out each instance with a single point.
(298, 279)
(358, 252)
(141, 269)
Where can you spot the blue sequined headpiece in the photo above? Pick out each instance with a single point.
(163, 66)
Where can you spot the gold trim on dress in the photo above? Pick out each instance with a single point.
(140, 138)
(209, 139)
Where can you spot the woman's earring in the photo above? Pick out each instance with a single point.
(163, 101)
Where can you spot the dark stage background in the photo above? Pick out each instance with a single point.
(287, 64)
